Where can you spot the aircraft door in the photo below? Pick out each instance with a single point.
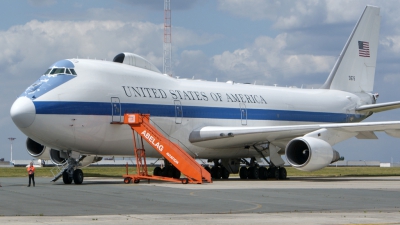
(178, 112)
(115, 110)
(243, 113)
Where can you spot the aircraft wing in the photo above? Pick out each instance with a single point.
(222, 137)
(379, 107)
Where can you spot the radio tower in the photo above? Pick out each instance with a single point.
(167, 69)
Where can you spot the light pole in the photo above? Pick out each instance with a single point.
(11, 139)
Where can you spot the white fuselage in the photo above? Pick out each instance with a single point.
(77, 114)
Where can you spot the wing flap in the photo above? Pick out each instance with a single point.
(366, 135)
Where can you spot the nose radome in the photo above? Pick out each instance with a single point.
(23, 112)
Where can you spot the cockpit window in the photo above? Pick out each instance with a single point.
(58, 70)
(54, 71)
(73, 71)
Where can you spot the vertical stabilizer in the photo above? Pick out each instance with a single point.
(354, 70)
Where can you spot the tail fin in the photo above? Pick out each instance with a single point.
(354, 70)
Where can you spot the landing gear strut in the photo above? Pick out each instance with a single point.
(218, 171)
(71, 173)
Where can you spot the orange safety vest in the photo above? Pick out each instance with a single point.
(31, 170)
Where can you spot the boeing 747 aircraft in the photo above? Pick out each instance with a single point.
(71, 113)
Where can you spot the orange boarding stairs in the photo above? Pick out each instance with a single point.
(140, 123)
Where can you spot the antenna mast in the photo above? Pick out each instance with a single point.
(167, 69)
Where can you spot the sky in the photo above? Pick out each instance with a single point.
(282, 42)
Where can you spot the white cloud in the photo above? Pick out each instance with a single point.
(193, 63)
(391, 43)
(288, 14)
(35, 43)
(268, 59)
(38, 44)
(182, 38)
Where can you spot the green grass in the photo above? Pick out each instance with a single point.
(346, 171)
(119, 171)
(88, 171)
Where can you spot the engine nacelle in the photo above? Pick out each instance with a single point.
(89, 160)
(58, 157)
(310, 154)
(37, 150)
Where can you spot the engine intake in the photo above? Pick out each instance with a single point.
(310, 154)
(34, 149)
(58, 157)
(37, 150)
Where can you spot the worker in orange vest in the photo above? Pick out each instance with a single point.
(31, 173)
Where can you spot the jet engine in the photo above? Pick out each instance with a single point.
(310, 154)
(37, 150)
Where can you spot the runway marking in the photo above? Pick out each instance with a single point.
(256, 205)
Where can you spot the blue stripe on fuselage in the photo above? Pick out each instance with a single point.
(102, 108)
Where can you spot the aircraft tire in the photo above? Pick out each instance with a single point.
(277, 174)
(171, 171)
(66, 178)
(208, 169)
(164, 172)
(225, 173)
(263, 173)
(177, 173)
(282, 173)
(216, 172)
(243, 173)
(252, 172)
(78, 176)
(157, 171)
(271, 172)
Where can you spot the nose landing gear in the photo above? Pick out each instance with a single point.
(72, 173)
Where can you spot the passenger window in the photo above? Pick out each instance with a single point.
(72, 71)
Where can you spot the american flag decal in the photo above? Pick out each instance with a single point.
(363, 48)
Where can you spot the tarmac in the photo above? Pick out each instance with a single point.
(299, 200)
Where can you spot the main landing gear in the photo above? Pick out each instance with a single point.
(167, 171)
(218, 171)
(254, 171)
(262, 173)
